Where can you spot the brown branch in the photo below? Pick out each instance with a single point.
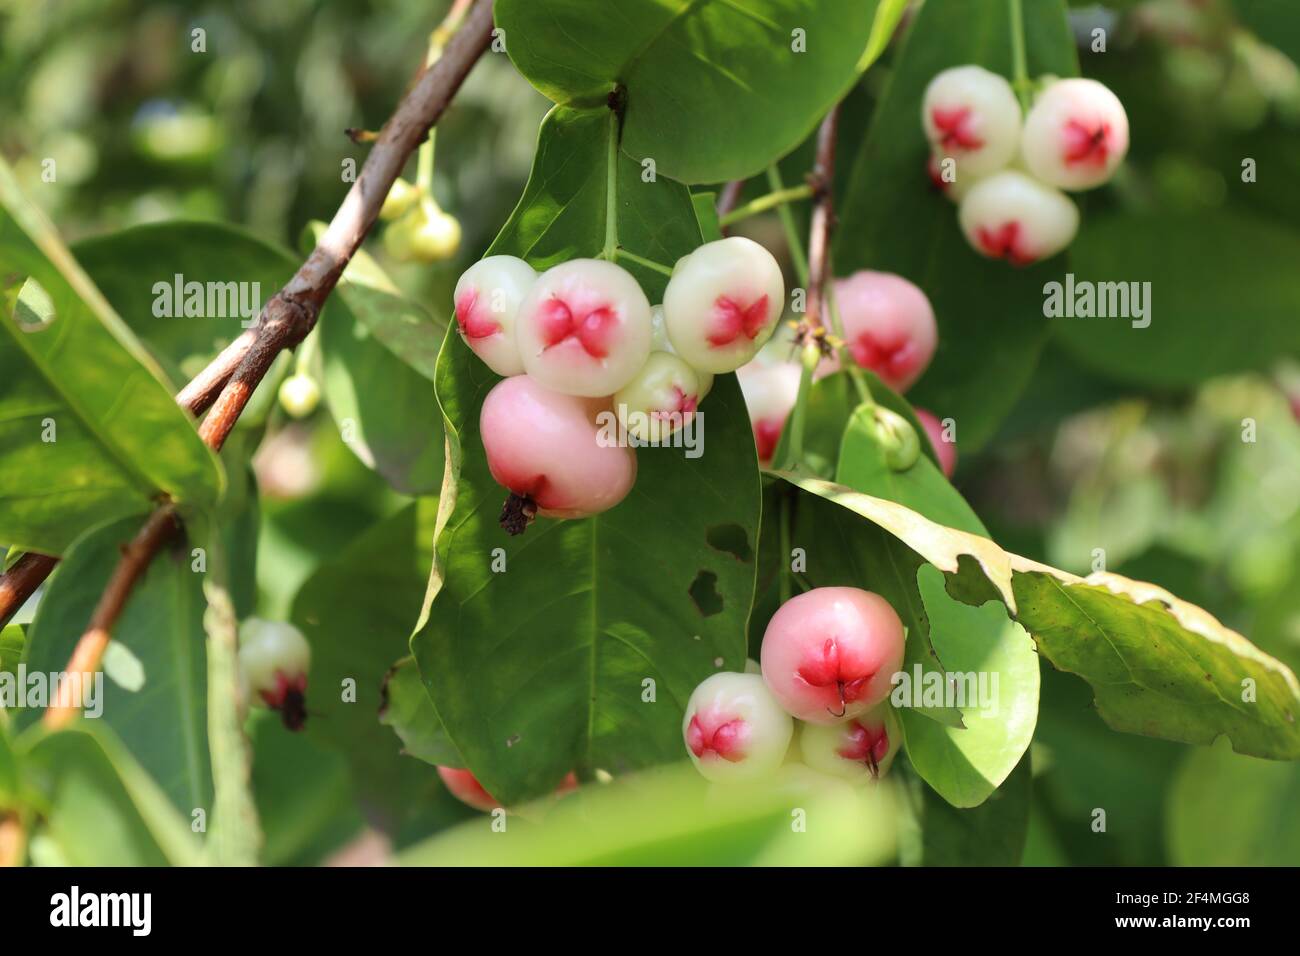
(729, 196)
(21, 581)
(823, 218)
(230, 380)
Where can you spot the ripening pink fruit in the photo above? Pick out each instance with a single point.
(973, 116)
(487, 299)
(1013, 216)
(888, 326)
(464, 786)
(1076, 135)
(770, 390)
(545, 448)
(662, 398)
(831, 653)
(945, 450)
(584, 328)
(722, 303)
(734, 728)
(860, 748)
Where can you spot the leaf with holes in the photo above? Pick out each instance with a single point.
(89, 431)
(582, 652)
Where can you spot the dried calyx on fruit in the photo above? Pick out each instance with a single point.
(274, 659)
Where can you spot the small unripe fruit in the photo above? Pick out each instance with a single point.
(1075, 135)
(487, 298)
(584, 328)
(1013, 216)
(423, 235)
(661, 398)
(299, 395)
(888, 324)
(860, 748)
(659, 343)
(831, 653)
(734, 728)
(973, 116)
(274, 659)
(544, 447)
(770, 390)
(944, 449)
(401, 197)
(722, 303)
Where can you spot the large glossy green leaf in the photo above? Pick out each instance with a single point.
(542, 669)
(1214, 306)
(357, 611)
(1229, 810)
(714, 89)
(99, 808)
(88, 428)
(671, 817)
(990, 315)
(155, 679)
(1157, 665)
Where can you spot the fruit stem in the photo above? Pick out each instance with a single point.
(810, 358)
(786, 570)
(611, 192)
(847, 361)
(1020, 64)
(765, 202)
(791, 231)
(621, 253)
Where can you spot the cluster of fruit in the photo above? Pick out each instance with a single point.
(1007, 171)
(828, 660)
(418, 231)
(888, 327)
(582, 339)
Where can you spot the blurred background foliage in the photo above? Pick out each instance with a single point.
(1164, 480)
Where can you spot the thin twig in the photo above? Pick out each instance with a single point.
(729, 196)
(292, 312)
(823, 218)
(21, 581)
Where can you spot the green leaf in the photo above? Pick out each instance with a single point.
(1214, 307)
(305, 798)
(714, 89)
(990, 315)
(408, 710)
(995, 657)
(225, 276)
(992, 834)
(13, 647)
(1158, 666)
(670, 817)
(1229, 810)
(89, 431)
(154, 683)
(357, 611)
(587, 611)
(100, 808)
(1274, 22)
